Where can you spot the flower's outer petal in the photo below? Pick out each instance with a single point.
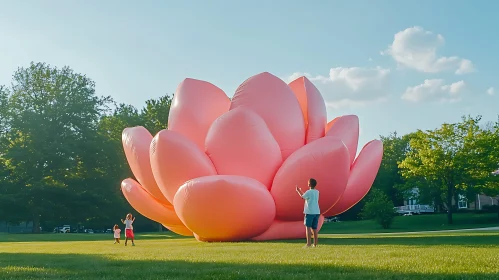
(175, 159)
(325, 160)
(280, 230)
(362, 175)
(225, 207)
(136, 142)
(240, 143)
(313, 108)
(331, 123)
(347, 129)
(151, 208)
(180, 230)
(195, 105)
(275, 102)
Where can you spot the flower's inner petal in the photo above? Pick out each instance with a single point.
(136, 142)
(196, 104)
(347, 129)
(313, 108)
(151, 208)
(325, 160)
(225, 207)
(275, 102)
(175, 159)
(362, 177)
(240, 143)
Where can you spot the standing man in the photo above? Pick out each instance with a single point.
(311, 210)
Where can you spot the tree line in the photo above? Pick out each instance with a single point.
(62, 161)
(453, 161)
(61, 156)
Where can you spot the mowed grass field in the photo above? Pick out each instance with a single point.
(445, 255)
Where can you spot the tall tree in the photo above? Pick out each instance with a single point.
(389, 178)
(484, 157)
(441, 158)
(53, 114)
(155, 113)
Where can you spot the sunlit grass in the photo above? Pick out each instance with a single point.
(470, 255)
(430, 222)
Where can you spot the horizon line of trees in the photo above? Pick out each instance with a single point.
(62, 161)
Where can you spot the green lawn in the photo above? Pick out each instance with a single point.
(429, 222)
(464, 255)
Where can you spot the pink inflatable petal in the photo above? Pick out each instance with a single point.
(196, 104)
(363, 173)
(240, 143)
(325, 160)
(313, 108)
(347, 129)
(136, 142)
(175, 159)
(151, 208)
(225, 207)
(286, 230)
(180, 230)
(275, 102)
(331, 123)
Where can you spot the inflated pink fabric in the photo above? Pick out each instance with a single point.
(261, 156)
(330, 124)
(232, 208)
(151, 208)
(313, 108)
(361, 178)
(285, 230)
(346, 128)
(195, 105)
(325, 160)
(275, 102)
(175, 159)
(230, 168)
(136, 142)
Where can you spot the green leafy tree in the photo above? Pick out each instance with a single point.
(155, 113)
(447, 159)
(52, 119)
(380, 208)
(389, 178)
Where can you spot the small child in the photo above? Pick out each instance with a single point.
(117, 234)
(128, 228)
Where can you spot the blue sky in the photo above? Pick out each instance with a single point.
(398, 65)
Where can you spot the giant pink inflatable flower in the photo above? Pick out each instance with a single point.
(227, 170)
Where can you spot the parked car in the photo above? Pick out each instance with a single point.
(332, 219)
(63, 229)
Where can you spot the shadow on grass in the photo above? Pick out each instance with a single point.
(61, 237)
(76, 266)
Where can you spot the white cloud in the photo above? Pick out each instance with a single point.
(491, 91)
(435, 89)
(416, 48)
(350, 87)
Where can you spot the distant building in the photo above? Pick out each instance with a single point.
(412, 204)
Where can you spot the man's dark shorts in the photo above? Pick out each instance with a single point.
(312, 221)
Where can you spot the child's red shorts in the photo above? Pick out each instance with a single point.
(129, 233)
